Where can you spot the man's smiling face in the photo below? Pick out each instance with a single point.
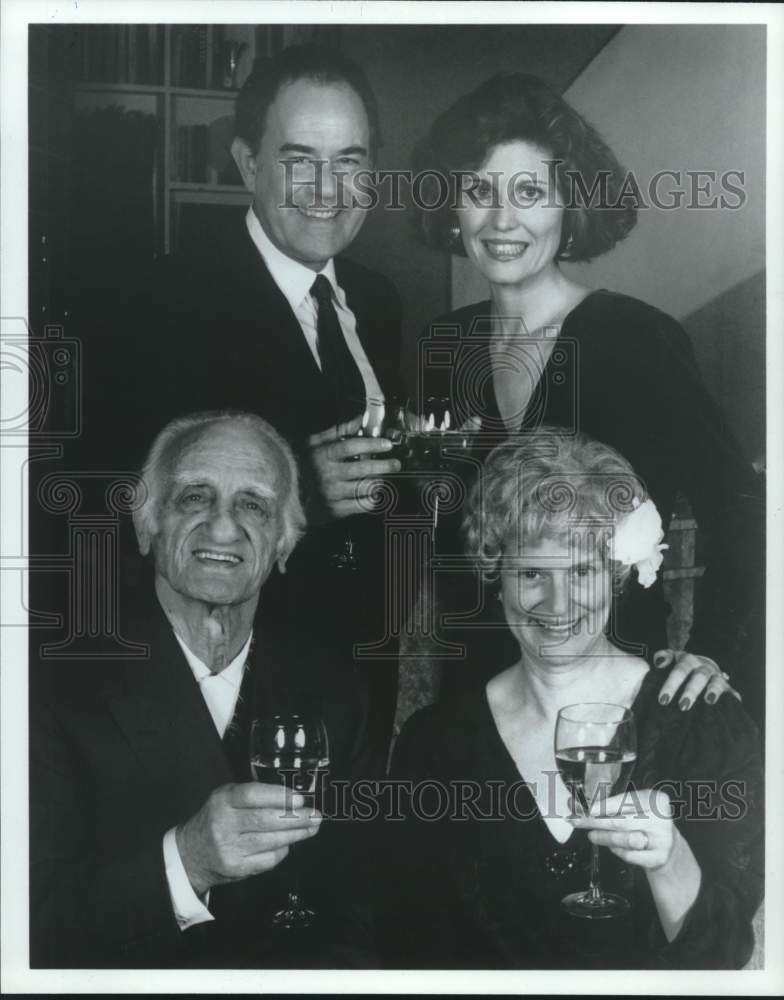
(309, 122)
(219, 521)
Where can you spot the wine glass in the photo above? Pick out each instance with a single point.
(595, 750)
(437, 441)
(290, 749)
(381, 417)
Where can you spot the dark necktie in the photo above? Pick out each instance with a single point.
(340, 371)
(236, 739)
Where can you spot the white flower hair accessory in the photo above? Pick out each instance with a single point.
(636, 541)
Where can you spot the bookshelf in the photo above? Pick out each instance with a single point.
(186, 77)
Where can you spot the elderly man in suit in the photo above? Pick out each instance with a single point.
(268, 317)
(150, 845)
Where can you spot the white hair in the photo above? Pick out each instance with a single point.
(145, 517)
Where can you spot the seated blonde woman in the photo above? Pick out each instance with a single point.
(492, 840)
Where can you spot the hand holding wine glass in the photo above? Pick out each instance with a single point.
(386, 418)
(595, 750)
(242, 830)
(638, 829)
(345, 465)
(290, 749)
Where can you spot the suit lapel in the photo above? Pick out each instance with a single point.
(287, 386)
(274, 315)
(295, 399)
(377, 328)
(165, 720)
(356, 301)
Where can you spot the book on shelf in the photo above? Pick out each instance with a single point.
(202, 153)
(121, 53)
(191, 155)
(190, 65)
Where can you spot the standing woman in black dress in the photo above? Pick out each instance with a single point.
(533, 185)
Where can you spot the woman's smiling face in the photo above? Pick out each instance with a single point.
(557, 596)
(511, 222)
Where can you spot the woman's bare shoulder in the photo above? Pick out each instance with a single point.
(628, 673)
(503, 693)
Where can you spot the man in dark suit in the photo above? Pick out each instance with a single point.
(150, 845)
(267, 317)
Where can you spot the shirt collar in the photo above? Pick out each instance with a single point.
(232, 674)
(292, 278)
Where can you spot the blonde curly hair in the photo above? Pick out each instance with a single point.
(541, 485)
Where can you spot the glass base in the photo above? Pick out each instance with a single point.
(606, 904)
(294, 914)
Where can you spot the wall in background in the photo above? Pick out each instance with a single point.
(686, 97)
(728, 334)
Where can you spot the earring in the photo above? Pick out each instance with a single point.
(454, 234)
(569, 243)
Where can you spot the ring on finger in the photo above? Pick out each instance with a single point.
(647, 843)
(725, 675)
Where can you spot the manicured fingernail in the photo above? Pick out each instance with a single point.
(684, 704)
(664, 699)
(710, 698)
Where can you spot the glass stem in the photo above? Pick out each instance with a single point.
(293, 876)
(594, 892)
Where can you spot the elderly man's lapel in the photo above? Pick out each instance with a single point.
(164, 718)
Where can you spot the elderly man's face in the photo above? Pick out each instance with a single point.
(309, 122)
(219, 522)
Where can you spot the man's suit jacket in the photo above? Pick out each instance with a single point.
(211, 330)
(123, 751)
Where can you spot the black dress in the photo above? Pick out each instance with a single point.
(624, 373)
(485, 892)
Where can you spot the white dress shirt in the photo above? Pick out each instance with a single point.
(295, 281)
(220, 693)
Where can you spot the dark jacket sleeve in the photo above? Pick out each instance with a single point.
(727, 499)
(719, 809)
(343, 865)
(390, 363)
(87, 908)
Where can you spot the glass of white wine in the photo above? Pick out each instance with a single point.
(595, 750)
(290, 749)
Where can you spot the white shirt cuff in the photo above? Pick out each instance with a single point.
(189, 910)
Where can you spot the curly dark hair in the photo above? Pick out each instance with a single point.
(519, 107)
(318, 63)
